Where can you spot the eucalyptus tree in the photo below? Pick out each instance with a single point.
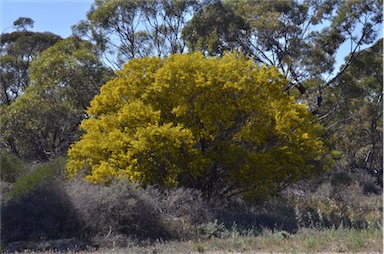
(17, 50)
(301, 38)
(22, 23)
(355, 103)
(126, 29)
(44, 120)
(214, 30)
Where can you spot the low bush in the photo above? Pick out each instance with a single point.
(38, 175)
(274, 213)
(114, 215)
(335, 206)
(213, 229)
(369, 183)
(5, 190)
(43, 213)
(11, 167)
(187, 204)
(121, 212)
(118, 209)
(182, 211)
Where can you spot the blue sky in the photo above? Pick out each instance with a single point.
(56, 16)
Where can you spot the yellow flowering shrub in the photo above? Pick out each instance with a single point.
(221, 125)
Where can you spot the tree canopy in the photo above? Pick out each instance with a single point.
(300, 38)
(17, 51)
(223, 126)
(44, 120)
(22, 23)
(287, 34)
(354, 106)
(125, 29)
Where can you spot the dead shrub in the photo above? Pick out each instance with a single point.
(182, 211)
(118, 209)
(338, 206)
(122, 211)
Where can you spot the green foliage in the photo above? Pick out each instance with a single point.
(219, 125)
(341, 178)
(214, 30)
(286, 34)
(353, 107)
(17, 51)
(212, 229)
(11, 167)
(22, 23)
(38, 176)
(144, 28)
(43, 122)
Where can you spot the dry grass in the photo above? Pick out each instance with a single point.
(304, 241)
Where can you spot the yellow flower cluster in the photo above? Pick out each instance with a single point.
(218, 124)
